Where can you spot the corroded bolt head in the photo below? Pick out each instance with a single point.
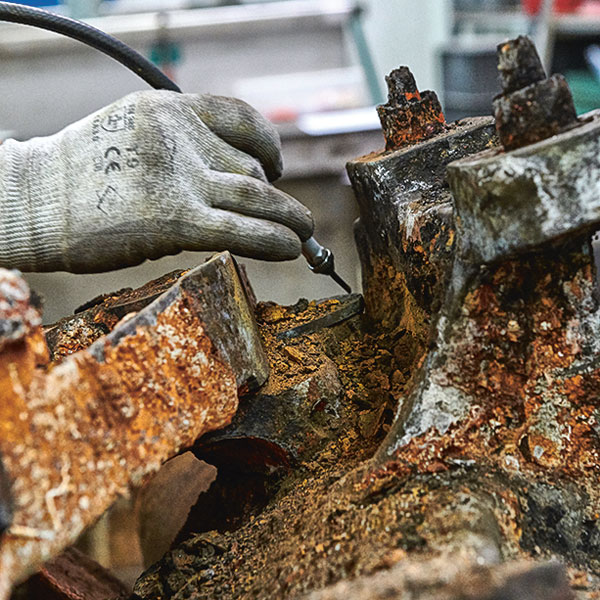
(532, 107)
(519, 64)
(409, 116)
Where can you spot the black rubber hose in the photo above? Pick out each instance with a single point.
(82, 32)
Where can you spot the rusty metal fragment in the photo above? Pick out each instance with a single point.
(73, 576)
(349, 307)
(531, 107)
(77, 436)
(409, 116)
(20, 320)
(301, 405)
(99, 316)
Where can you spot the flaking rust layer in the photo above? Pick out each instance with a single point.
(75, 437)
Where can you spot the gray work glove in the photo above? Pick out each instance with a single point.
(152, 174)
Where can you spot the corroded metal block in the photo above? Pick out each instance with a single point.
(409, 116)
(77, 436)
(508, 378)
(511, 378)
(515, 201)
(405, 234)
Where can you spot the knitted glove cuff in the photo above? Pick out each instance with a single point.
(31, 233)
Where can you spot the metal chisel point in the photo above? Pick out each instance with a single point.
(320, 260)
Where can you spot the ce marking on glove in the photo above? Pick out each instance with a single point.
(116, 160)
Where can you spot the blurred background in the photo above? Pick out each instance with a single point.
(315, 67)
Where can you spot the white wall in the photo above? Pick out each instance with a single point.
(49, 81)
(408, 32)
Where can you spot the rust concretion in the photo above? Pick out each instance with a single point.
(531, 107)
(409, 115)
(76, 437)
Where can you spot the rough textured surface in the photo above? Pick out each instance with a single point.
(329, 400)
(509, 203)
(312, 400)
(76, 437)
(513, 373)
(289, 406)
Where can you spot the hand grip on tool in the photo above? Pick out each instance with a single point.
(320, 260)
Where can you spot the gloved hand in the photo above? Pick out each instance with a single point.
(152, 174)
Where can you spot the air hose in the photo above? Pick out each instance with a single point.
(82, 32)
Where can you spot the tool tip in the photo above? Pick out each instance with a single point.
(341, 282)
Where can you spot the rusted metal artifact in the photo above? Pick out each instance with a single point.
(446, 445)
(483, 323)
(76, 436)
(511, 377)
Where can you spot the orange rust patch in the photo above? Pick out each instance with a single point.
(513, 350)
(75, 438)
